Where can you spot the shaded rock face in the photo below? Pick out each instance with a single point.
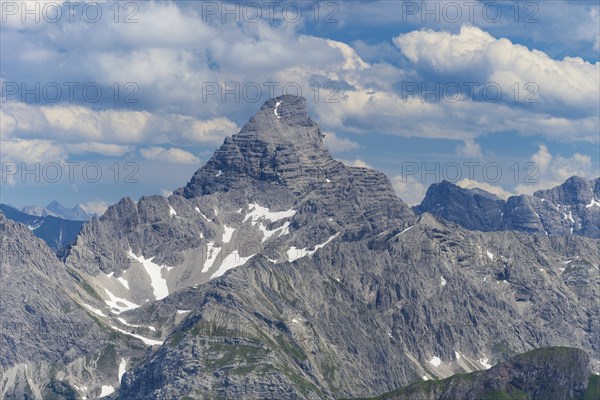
(472, 210)
(35, 310)
(572, 208)
(44, 332)
(552, 373)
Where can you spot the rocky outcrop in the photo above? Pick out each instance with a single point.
(475, 210)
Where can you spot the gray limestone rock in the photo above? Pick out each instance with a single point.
(572, 208)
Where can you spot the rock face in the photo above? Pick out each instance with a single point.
(572, 208)
(358, 317)
(278, 272)
(30, 285)
(40, 324)
(271, 189)
(475, 210)
(281, 145)
(552, 373)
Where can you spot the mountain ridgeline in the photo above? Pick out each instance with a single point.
(572, 208)
(278, 272)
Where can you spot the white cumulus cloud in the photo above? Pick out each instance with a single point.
(172, 155)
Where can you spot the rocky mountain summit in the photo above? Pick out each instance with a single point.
(572, 208)
(279, 272)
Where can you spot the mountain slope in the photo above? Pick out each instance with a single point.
(54, 344)
(572, 208)
(359, 317)
(554, 373)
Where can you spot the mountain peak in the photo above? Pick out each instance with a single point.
(288, 108)
(575, 190)
(279, 145)
(282, 120)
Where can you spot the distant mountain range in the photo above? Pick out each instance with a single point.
(56, 232)
(55, 209)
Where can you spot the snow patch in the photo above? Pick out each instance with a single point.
(118, 304)
(123, 282)
(227, 234)
(122, 366)
(258, 212)
(233, 260)
(122, 320)
(425, 378)
(490, 255)
(158, 283)
(282, 230)
(406, 230)
(219, 173)
(484, 362)
(295, 253)
(150, 342)
(200, 212)
(435, 361)
(106, 390)
(457, 355)
(94, 310)
(183, 311)
(593, 203)
(211, 255)
(172, 211)
(442, 281)
(276, 107)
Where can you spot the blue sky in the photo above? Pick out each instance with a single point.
(456, 89)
